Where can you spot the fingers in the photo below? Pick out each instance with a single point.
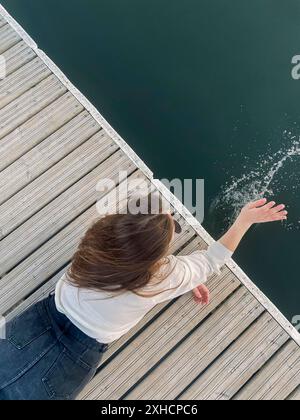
(279, 216)
(205, 295)
(269, 205)
(205, 298)
(197, 295)
(278, 208)
(282, 215)
(277, 213)
(201, 295)
(257, 203)
(268, 212)
(266, 206)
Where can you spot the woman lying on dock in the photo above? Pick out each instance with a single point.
(121, 270)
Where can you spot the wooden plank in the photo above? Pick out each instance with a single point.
(56, 180)
(37, 295)
(129, 366)
(195, 245)
(277, 379)
(2, 21)
(28, 104)
(14, 85)
(8, 38)
(239, 363)
(295, 396)
(44, 290)
(18, 56)
(46, 154)
(38, 128)
(200, 349)
(181, 240)
(59, 212)
(53, 255)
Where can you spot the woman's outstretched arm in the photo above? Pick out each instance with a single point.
(257, 212)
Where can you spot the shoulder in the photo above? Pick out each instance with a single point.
(181, 260)
(179, 264)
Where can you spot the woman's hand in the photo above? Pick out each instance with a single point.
(262, 212)
(201, 295)
(257, 212)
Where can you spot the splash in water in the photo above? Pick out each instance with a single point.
(267, 179)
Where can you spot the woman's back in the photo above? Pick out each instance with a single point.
(106, 316)
(97, 314)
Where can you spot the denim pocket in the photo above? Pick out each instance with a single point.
(67, 377)
(28, 327)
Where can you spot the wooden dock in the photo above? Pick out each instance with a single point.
(54, 148)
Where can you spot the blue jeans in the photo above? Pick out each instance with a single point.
(45, 357)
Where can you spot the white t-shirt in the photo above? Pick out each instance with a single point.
(106, 320)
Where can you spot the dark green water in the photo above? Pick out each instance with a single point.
(200, 89)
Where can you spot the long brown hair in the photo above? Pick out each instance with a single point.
(122, 252)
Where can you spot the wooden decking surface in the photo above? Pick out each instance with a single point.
(52, 154)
